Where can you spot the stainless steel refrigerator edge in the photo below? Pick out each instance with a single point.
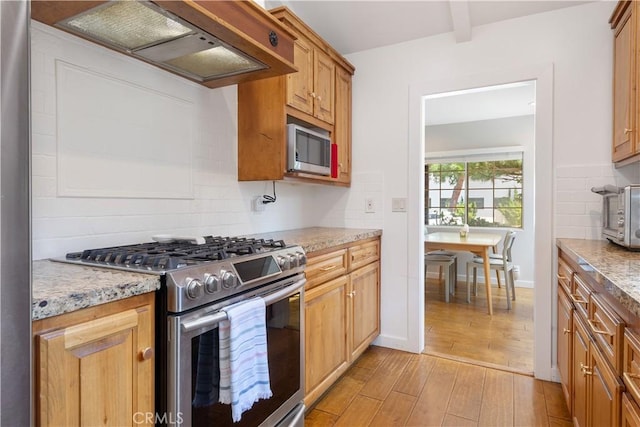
(15, 216)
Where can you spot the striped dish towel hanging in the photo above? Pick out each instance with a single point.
(244, 368)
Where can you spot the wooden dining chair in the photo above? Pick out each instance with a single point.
(444, 262)
(499, 262)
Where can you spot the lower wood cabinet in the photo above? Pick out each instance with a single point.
(96, 366)
(326, 322)
(565, 343)
(630, 411)
(342, 315)
(589, 343)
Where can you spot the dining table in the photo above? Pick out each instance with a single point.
(477, 243)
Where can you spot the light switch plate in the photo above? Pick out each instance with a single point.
(399, 204)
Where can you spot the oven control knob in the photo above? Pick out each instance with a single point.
(293, 260)
(302, 258)
(194, 288)
(211, 283)
(283, 262)
(228, 279)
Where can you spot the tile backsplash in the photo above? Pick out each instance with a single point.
(218, 203)
(578, 211)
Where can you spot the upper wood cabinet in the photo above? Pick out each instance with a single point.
(625, 146)
(317, 96)
(96, 366)
(312, 89)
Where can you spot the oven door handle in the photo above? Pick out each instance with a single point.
(219, 316)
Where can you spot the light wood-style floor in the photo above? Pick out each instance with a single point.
(466, 331)
(388, 387)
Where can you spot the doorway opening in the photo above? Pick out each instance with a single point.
(479, 158)
(542, 249)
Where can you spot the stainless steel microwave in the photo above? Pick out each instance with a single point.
(308, 151)
(621, 214)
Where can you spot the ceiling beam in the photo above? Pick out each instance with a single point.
(461, 20)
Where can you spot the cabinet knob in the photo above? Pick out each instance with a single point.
(146, 354)
(312, 94)
(319, 98)
(628, 130)
(585, 370)
(566, 331)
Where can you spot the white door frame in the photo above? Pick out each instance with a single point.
(544, 301)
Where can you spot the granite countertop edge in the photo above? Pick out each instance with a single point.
(59, 288)
(616, 269)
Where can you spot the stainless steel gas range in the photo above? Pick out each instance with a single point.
(200, 277)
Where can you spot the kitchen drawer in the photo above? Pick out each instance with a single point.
(364, 254)
(565, 276)
(580, 296)
(325, 267)
(607, 329)
(630, 411)
(631, 364)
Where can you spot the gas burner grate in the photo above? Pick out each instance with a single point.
(164, 256)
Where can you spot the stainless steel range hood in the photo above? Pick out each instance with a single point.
(144, 30)
(155, 33)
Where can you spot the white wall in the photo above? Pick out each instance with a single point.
(221, 204)
(577, 41)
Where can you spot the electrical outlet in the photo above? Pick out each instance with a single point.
(257, 205)
(369, 206)
(399, 204)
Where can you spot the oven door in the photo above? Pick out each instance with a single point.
(192, 337)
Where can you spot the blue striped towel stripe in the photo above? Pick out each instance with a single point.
(244, 365)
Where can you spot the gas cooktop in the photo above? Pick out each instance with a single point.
(160, 257)
(202, 270)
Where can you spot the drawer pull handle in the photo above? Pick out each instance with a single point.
(329, 268)
(577, 299)
(561, 277)
(566, 331)
(585, 370)
(594, 328)
(628, 130)
(364, 256)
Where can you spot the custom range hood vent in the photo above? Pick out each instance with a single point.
(150, 32)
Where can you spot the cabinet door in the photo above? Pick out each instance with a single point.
(605, 390)
(580, 361)
(323, 86)
(342, 124)
(623, 87)
(326, 320)
(98, 372)
(365, 307)
(300, 84)
(630, 412)
(564, 339)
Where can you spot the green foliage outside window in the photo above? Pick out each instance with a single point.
(497, 183)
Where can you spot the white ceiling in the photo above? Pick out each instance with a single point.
(508, 100)
(356, 25)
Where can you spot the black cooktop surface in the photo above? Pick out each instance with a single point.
(165, 256)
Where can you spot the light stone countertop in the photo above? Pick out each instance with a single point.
(59, 288)
(613, 267)
(315, 239)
